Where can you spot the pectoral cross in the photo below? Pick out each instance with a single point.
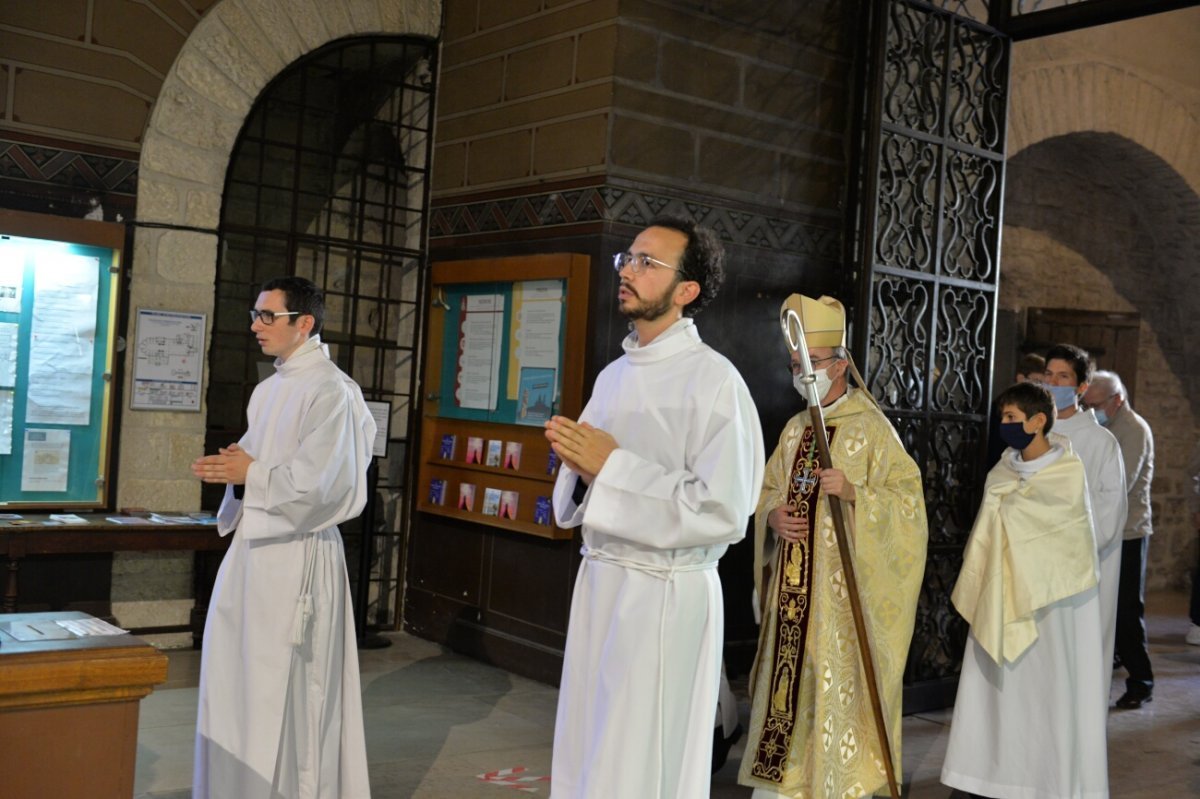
(804, 481)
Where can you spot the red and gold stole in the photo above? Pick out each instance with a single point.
(790, 608)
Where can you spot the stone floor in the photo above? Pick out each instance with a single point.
(442, 726)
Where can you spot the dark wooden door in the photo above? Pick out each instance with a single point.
(1110, 338)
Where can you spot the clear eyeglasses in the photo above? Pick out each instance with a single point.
(269, 317)
(638, 262)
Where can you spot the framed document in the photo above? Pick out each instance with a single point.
(168, 364)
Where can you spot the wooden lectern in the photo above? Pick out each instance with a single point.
(69, 711)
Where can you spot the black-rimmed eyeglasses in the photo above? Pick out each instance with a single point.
(638, 262)
(269, 317)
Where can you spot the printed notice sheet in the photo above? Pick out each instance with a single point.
(537, 325)
(381, 412)
(8, 354)
(47, 454)
(168, 362)
(12, 277)
(6, 422)
(482, 333)
(62, 340)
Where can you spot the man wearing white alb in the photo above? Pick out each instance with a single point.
(280, 705)
(1068, 371)
(662, 470)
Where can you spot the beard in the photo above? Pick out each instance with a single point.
(648, 310)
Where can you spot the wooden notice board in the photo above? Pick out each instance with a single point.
(60, 289)
(505, 344)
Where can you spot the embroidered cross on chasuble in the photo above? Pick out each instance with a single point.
(791, 604)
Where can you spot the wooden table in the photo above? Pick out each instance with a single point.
(69, 711)
(18, 541)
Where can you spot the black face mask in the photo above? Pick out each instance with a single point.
(1013, 434)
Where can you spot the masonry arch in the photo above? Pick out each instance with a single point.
(233, 53)
(1068, 98)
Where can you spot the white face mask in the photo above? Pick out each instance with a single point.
(823, 383)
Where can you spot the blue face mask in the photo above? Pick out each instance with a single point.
(1102, 417)
(1013, 434)
(1064, 396)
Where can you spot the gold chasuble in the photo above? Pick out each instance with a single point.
(812, 733)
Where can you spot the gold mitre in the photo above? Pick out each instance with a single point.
(823, 319)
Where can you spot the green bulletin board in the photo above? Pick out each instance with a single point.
(58, 300)
(523, 393)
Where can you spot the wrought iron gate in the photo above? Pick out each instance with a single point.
(928, 254)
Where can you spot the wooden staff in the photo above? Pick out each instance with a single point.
(793, 331)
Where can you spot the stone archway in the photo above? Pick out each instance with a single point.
(1094, 221)
(233, 53)
(1065, 98)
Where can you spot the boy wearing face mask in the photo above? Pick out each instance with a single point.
(1028, 718)
(1068, 374)
(807, 678)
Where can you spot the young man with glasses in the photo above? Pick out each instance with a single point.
(811, 707)
(661, 471)
(280, 707)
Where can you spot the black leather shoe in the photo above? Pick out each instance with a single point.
(1133, 699)
(721, 746)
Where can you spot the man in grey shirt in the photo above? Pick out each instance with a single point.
(1106, 395)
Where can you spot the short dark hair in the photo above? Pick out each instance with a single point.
(1080, 361)
(303, 295)
(1032, 399)
(703, 259)
(1031, 364)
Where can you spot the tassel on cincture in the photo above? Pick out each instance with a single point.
(304, 611)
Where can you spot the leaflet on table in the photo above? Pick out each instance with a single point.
(62, 340)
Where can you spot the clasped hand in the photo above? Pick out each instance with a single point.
(229, 465)
(582, 448)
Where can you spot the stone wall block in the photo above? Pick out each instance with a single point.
(700, 72)
(187, 163)
(499, 158)
(784, 94)
(597, 97)
(449, 166)
(473, 86)
(187, 257)
(181, 114)
(364, 15)
(422, 17)
(653, 149)
(229, 56)
(637, 56)
(533, 30)
(203, 209)
(335, 19)
(595, 54)
(157, 200)
(183, 448)
(738, 166)
(539, 69)
(181, 496)
(462, 19)
(276, 21)
(200, 74)
(493, 14)
(245, 29)
(146, 453)
(574, 144)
